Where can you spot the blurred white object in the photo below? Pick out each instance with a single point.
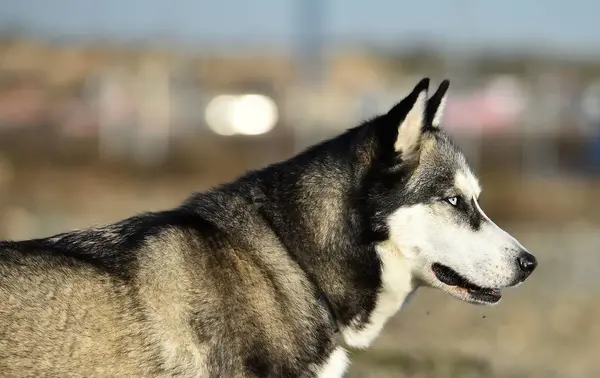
(248, 114)
(218, 114)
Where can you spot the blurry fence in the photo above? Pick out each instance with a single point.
(135, 107)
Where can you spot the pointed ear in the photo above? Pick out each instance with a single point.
(409, 116)
(436, 105)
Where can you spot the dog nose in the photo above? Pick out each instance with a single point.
(527, 262)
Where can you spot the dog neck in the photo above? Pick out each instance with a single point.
(310, 204)
(397, 288)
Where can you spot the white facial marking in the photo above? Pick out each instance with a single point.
(434, 232)
(397, 287)
(409, 131)
(480, 210)
(336, 365)
(468, 185)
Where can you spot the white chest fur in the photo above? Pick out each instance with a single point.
(336, 365)
(397, 287)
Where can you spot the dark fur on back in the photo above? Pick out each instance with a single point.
(227, 284)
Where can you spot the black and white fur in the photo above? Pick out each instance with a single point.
(255, 278)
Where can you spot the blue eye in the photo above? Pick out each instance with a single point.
(452, 200)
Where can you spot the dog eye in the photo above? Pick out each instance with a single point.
(452, 200)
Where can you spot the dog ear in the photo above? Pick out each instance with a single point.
(409, 117)
(436, 106)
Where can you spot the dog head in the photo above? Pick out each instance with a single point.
(424, 200)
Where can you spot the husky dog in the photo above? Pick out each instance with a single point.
(258, 277)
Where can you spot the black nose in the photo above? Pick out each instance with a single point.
(527, 262)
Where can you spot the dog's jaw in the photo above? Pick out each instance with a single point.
(397, 288)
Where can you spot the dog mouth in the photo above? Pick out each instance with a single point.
(463, 287)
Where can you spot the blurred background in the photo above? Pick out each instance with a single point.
(109, 108)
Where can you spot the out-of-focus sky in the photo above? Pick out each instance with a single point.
(555, 24)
